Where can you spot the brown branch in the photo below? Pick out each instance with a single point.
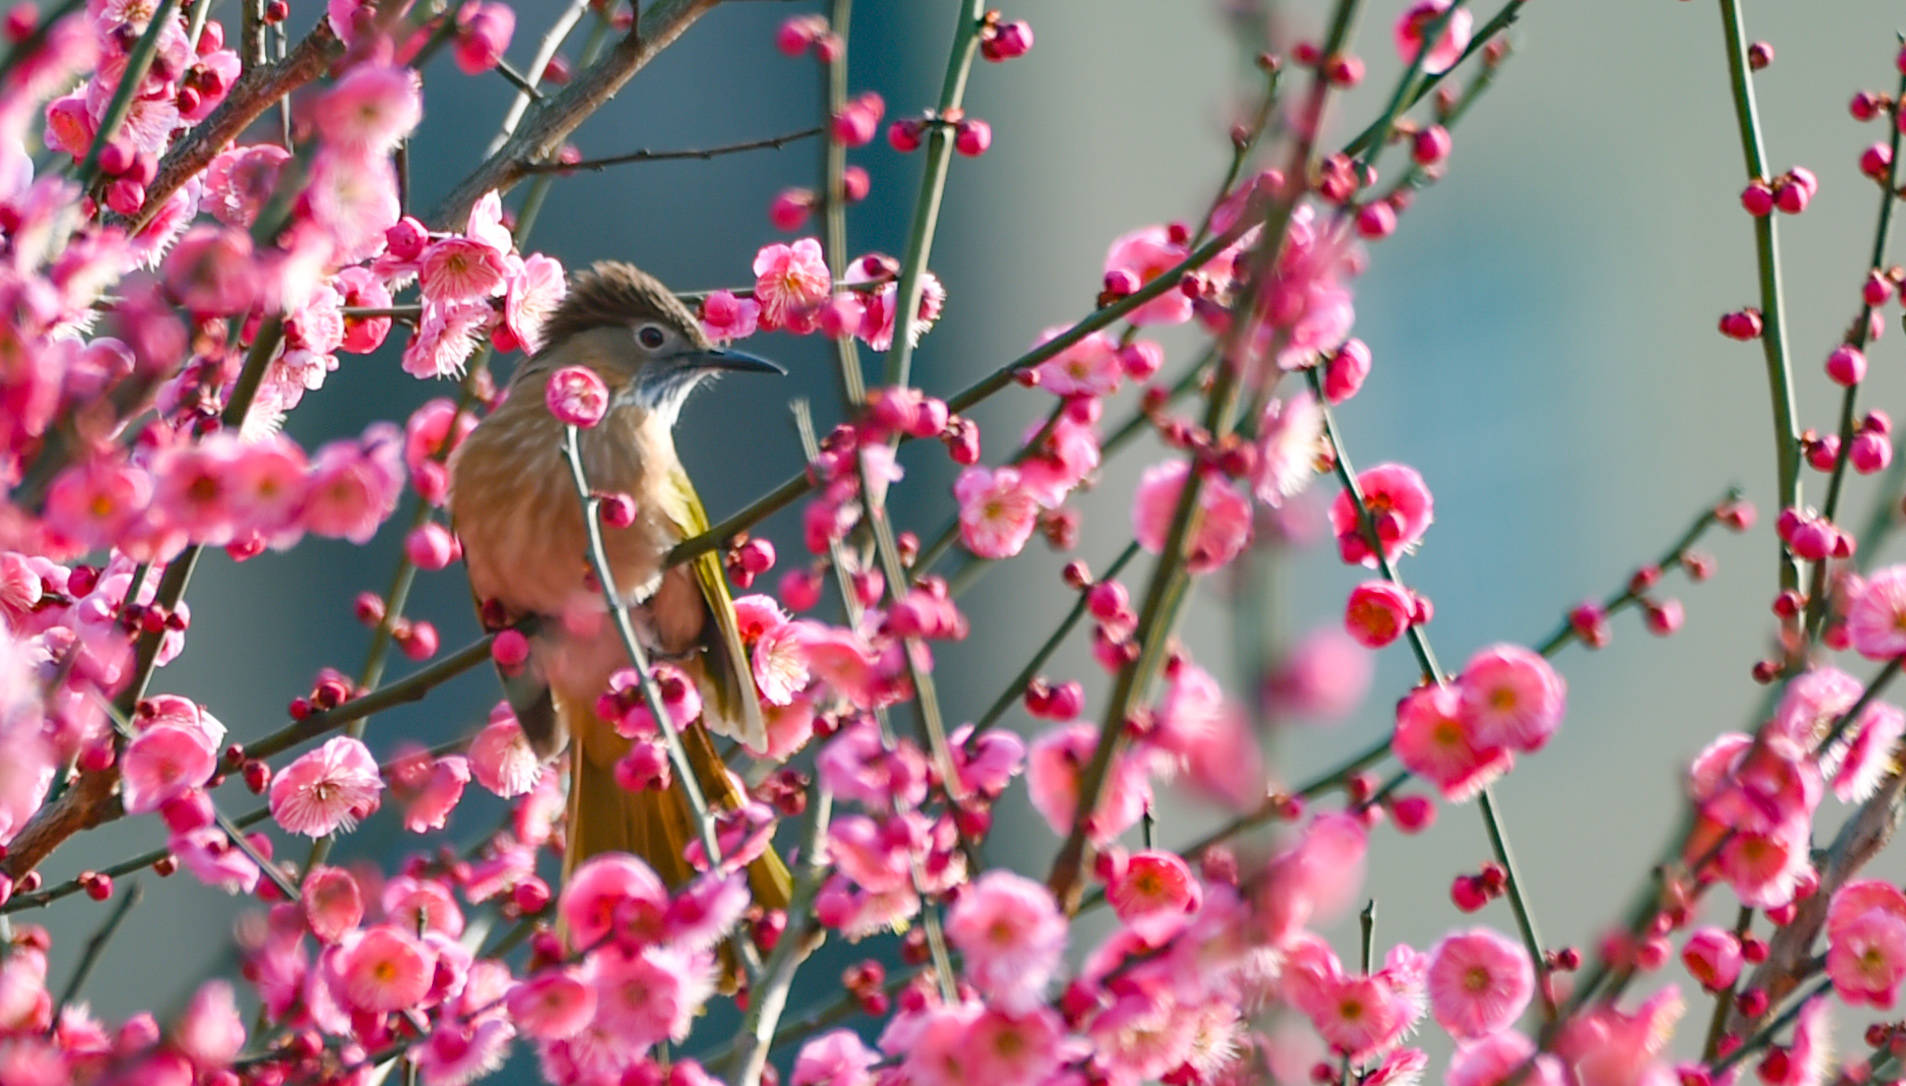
(261, 87)
(552, 122)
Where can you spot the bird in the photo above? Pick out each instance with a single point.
(515, 510)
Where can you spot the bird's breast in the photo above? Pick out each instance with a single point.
(515, 508)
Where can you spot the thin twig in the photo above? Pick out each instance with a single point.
(1627, 596)
(646, 155)
(95, 946)
(538, 65)
(1856, 337)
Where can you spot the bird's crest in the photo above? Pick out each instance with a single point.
(614, 294)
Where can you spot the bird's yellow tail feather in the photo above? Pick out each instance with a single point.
(654, 825)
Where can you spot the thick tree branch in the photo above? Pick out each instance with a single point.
(256, 91)
(552, 122)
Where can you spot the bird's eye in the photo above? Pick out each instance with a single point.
(651, 336)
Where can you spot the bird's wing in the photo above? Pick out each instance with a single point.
(737, 705)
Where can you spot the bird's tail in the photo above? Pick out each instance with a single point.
(653, 824)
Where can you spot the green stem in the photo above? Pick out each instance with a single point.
(1400, 99)
(926, 210)
(1772, 305)
(1497, 23)
(1432, 671)
(769, 1000)
(1816, 594)
(1044, 653)
(138, 63)
(1724, 999)
(1627, 597)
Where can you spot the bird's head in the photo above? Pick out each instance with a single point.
(647, 346)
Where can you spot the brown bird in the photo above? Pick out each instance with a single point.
(514, 505)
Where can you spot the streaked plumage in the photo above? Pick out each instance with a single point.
(515, 507)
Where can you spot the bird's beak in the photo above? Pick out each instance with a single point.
(718, 358)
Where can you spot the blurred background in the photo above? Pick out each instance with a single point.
(1542, 324)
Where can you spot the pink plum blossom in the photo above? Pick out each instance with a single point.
(1479, 982)
(1713, 957)
(1436, 740)
(162, 762)
(1147, 253)
(649, 996)
(1512, 697)
(530, 297)
(726, 318)
(1866, 942)
(1290, 437)
(600, 893)
(1224, 526)
(329, 789)
(552, 1005)
(1089, 367)
(1155, 895)
(1399, 506)
(370, 108)
(997, 513)
(1011, 935)
(332, 902)
(790, 280)
(835, 1058)
(382, 969)
(1876, 621)
(1417, 20)
(1378, 612)
(1055, 765)
(501, 759)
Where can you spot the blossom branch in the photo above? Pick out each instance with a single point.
(1157, 616)
(92, 800)
(1501, 21)
(41, 898)
(1861, 837)
(833, 194)
(769, 1000)
(411, 688)
(791, 490)
(257, 90)
(770, 143)
(138, 62)
(1765, 1036)
(1628, 595)
(926, 210)
(30, 46)
(632, 645)
(1724, 999)
(1401, 98)
(1856, 339)
(1772, 303)
(1019, 682)
(1433, 672)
